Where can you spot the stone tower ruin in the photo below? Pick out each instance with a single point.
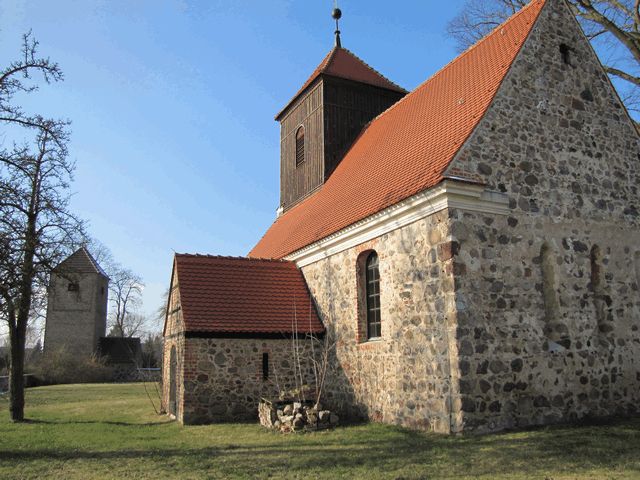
(77, 305)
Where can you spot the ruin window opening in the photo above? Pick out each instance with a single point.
(372, 283)
(565, 51)
(265, 366)
(73, 287)
(597, 285)
(549, 293)
(300, 146)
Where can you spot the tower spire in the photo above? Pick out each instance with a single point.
(337, 14)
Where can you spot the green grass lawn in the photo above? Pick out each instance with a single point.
(111, 431)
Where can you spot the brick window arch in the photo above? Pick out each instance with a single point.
(299, 145)
(368, 291)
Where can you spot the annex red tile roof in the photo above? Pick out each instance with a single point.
(407, 148)
(241, 295)
(342, 63)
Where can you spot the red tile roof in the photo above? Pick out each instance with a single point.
(407, 148)
(241, 295)
(342, 63)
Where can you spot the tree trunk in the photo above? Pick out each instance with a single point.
(16, 374)
(18, 333)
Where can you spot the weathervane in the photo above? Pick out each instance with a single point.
(337, 14)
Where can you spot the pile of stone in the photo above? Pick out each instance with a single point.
(294, 416)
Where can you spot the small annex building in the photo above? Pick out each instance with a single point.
(228, 335)
(471, 247)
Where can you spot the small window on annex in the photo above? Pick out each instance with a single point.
(372, 285)
(299, 146)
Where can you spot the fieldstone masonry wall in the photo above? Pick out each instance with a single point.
(174, 341)
(403, 378)
(223, 377)
(558, 142)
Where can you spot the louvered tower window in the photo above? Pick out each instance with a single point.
(373, 296)
(299, 146)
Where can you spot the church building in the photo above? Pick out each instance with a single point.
(471, 247)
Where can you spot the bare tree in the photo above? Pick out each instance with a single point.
(125, 290)
(101, 254)
(612, 26)
(36, 228)
(125, 295)
(161, 311)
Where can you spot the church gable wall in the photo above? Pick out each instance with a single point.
(403, 378)
(548, 303)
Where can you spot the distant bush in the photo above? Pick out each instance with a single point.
(63, 366)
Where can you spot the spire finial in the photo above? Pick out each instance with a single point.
(337, 14)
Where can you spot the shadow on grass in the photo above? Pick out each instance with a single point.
(386, 449)
(95, 422)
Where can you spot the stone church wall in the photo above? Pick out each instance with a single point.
(403, 378)
(549, 303)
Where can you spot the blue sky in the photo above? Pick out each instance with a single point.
(172, 106)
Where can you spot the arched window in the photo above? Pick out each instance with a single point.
(299, 146)
(372, 283)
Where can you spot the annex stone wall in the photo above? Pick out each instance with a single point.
(404, 378)
(174, 344)
(548, 300)
(224, 378)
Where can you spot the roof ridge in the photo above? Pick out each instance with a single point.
(231, 257)
(454, 60)
(327, 60)
(373, 69)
